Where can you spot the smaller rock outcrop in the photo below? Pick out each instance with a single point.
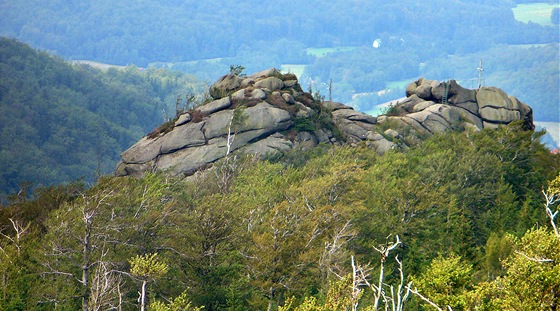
(268, 112)
(432, 107)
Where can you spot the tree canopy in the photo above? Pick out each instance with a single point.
(61, 122)
(468, 208)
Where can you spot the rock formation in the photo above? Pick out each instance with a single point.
(268, 112)
(447, 105)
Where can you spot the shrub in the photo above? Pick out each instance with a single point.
(392, 110)
(304, 125)
(197, 115)
(162, 129)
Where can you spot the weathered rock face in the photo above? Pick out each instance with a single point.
(268, 112)
(432, 107)
(261, 114)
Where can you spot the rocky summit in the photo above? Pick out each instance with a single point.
(268, 113)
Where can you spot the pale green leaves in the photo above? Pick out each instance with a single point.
(147, 267)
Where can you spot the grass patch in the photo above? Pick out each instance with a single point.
(197, 115)
(277, 101)
(538, 13)
(320, 52)
(244, 102)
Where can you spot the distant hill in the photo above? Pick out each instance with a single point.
(60, 122)
(326, 41)
(142, 32)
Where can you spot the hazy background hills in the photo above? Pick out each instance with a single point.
(60, 122)
(468, 207)
(370, 49)
(317, 40)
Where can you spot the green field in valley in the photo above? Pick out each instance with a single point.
(538, 13)
(320, 52)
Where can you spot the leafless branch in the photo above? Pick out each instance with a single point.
(551, 199)
(425, 299)
(20, 231)
(539, 260)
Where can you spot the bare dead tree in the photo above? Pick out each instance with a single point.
(384, 250)
(332, 253)
(105, 288)
(19, 232)
(552, 196)
(78, 252)
(393, 296)
(227, 169)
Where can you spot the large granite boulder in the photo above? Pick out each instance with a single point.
(225, 85)
(497, 107)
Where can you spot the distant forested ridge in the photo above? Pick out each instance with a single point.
(320, 40)
(60, 122)
(148, 31)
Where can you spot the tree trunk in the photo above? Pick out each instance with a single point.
(143, 297)
(85, 268)
(555, 298)
(271, 300)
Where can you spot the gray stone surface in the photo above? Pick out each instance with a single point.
(264, 128)
(225, 85)
(185, 136)
(214, 106)
(184, 118)
(270, 84)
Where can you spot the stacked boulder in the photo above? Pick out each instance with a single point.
(273, 115)
(433, 107)
(267, 113)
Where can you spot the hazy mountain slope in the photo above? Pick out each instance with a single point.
(60, 122)
(435, 39)
(141, 32)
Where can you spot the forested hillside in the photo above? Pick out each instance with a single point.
(323, 40)
(60, 122)
(149, 31)
(464, 213)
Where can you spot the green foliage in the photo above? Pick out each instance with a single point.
(497, 250)
(236, 69)
(460, 202)
(338, 298)
(532, 279)
(180, 303)
(392, 110)
(147, 266)
(134, 33)
(447, 282)
(61, 122)
(302, 124)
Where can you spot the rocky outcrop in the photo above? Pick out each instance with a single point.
(261, 114)
(267, 113)
(432, 107)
